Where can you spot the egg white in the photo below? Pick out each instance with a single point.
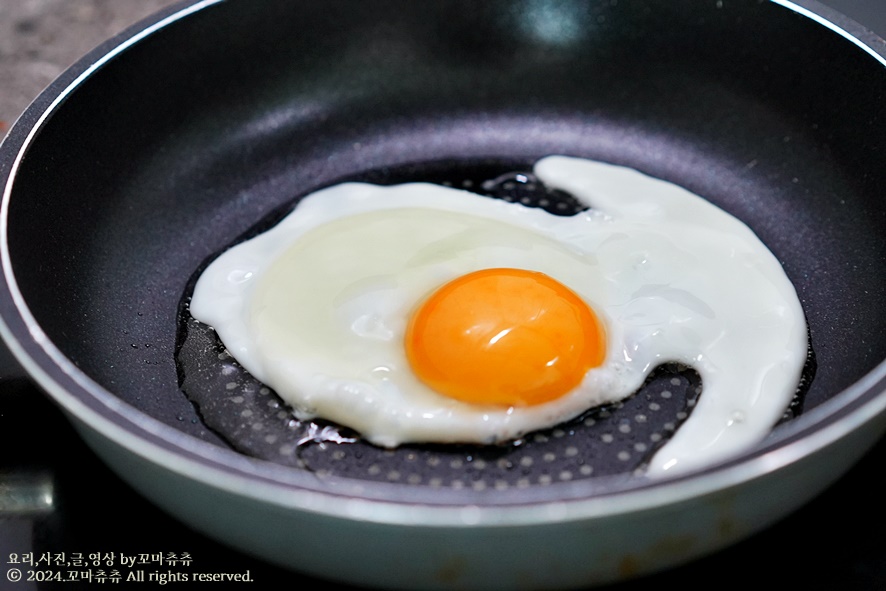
(317, 307)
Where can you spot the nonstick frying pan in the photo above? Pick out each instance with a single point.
(189, 132)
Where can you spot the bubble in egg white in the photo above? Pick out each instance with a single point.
(317, 307)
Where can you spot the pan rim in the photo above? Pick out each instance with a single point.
(225, 470)
(839, 24)
(861, 403)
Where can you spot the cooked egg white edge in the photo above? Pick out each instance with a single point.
(750, 365)
(742, 399)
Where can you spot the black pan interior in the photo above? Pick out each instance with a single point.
(185, 141)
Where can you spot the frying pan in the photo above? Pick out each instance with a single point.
(201, 125)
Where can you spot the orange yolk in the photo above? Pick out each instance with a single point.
(505, 337)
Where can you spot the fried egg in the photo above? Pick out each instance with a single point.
(426, 314)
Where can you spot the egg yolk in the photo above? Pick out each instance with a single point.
(504, 337)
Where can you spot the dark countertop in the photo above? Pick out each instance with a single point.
(833, 542)
(40, 38)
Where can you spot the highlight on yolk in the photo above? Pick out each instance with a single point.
(504, 336)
